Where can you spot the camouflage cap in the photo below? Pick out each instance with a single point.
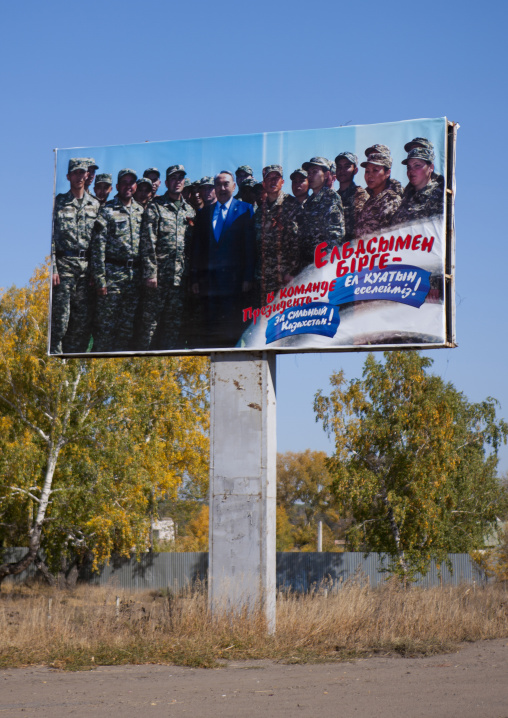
(77, 163)
(145, 180)
(272, 168)
(91, 163)
(244, 168)
(206, 180)
(418, 142)
(377, 149)
(319, 162)
(187, 182)
(150, 170)
(126, 171)
(248, 182)
(104, 177)
(420, 153)
(172, 169)
(376, 158)
(333, 168)
(299, 171)
(349, 156)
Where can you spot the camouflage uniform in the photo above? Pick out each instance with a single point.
(107, 179)
(395, 186)
(322, 221)
(72, 299)
(166, 234)
(377, 213)
(276, 244)
(116, 266)
(353, 198)
(423, 203)
(420, 204)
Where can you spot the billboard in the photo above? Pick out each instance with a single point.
(334, 239)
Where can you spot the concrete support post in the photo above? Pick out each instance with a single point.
(242, 554)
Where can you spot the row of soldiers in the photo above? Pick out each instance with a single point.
(123, 276)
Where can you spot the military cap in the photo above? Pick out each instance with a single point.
(420, 153)
(206, 180)
(172, 169)
(77, 163)
(272, 168)
(91, 163)
(377, 158)
(418, 142)
(150, 170)
(248, 182)
(126, 171)
(350, 156)
(145, 180)
(245, 168)
(377, 149)
(319, 162)
(187, 182)
(104, 177)
(299, 171)
(333, 168)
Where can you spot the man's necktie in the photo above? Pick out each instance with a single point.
(220, 222)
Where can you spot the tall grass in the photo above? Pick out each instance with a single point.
(91, 626)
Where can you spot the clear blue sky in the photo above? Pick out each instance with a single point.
(103, 73)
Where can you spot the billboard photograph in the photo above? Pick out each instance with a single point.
(333, 239)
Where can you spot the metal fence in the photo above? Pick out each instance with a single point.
(300, 572)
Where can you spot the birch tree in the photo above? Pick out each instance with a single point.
(86, 445)
(415, 461)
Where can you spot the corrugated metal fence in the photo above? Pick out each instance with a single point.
(300, 572)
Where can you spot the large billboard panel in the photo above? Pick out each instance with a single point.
(335, 239)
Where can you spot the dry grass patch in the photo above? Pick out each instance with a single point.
(87, 626)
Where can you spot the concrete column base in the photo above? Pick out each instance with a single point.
(243, 483)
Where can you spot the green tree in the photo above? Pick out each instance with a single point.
(414, 462)
(87, 446)
(304, 492)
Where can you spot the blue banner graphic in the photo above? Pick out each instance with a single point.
(402, 283)
(314, 318)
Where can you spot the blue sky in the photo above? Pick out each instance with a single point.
(114, 73)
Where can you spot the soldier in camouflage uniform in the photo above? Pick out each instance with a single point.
(144, 191)
(166, 235)
(186, 191)
(102, 187)
(153, 174)
(300, 185)
(323, 215)
(207, 187)
(423, 197)
(195, 199)
(247, 193)
(425, 144)
(241, 174)
(72, 298)
(276, 236)
(393, 183)
(353, 197)
(92, 169)
(377, 212)
(116, 267)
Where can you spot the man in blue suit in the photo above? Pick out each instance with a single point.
(223, 263)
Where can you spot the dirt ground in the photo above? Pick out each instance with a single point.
(470, 682)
